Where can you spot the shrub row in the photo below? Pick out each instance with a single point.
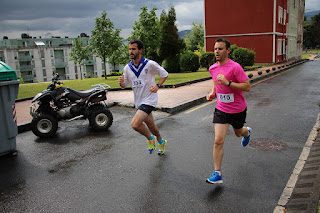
(189, 61)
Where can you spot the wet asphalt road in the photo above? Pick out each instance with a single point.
(83, 171)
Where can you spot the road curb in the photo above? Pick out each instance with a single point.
(302, 191)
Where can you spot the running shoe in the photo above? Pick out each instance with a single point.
(152, 145)
(245, 140)
(214, 178)
(162, 147)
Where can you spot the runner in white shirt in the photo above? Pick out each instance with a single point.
(140, 74)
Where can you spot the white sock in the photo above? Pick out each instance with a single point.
(218, 171)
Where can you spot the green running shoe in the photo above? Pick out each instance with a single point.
(162, 147)
(152, 145)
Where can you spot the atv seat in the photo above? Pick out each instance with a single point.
(84, 93)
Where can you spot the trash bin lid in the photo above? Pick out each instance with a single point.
(6, 72)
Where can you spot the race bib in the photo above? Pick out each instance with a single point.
(226, 98)
(137, 83)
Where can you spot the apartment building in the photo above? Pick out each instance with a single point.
(272, 28)
(36, 59)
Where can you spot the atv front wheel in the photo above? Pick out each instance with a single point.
(100, 118)
(44, 125)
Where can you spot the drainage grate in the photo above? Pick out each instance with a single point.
(267, 144)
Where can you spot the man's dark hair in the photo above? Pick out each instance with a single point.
(225, 41)
(138, 42)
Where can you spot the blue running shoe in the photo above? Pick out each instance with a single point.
(245, 140)
(215, 178)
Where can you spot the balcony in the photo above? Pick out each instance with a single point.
(26, 67)
(25, 58)
(60, 64)
(27, 77)
(89, 62)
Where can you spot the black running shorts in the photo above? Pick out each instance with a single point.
(236, 120)
(146, 108)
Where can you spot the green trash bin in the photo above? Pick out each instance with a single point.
(9, 87)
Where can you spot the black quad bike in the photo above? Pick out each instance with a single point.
(62, 103)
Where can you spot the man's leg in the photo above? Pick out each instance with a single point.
(243, 132)
(152, 126)
(137, 123)
(220, 132)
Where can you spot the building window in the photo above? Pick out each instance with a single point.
(43, 63)
(44, 72)
(279, 45)
(284, 17)
(280, 15)
(41, 53)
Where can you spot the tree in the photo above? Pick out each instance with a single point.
(120, 56)
(79, 53)
(104, 40)
(170, 44)
(147, 30)
(196, 37)
(311, 37)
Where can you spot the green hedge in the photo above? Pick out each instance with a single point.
(189, 61)
(244, 57)
(207, 59)
(171, 65)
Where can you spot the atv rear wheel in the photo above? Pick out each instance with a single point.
(44, 125)
(100, 118)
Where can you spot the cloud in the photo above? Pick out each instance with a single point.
(312, 5)
(189, 12)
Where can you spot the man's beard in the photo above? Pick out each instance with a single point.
(134, 56)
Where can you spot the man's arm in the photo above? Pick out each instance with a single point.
(211, 95)
(243, 86)
(156, 88)
(121, 82)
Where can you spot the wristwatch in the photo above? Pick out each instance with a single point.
(159, 85)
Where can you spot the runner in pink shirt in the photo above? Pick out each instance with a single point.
(229, 82)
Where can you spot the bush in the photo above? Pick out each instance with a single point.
(171, 65)
(244, 57)
(274, 68)
(260, 72)
(207, 59)
(114, 74)
(267, 70)
(189, 61)
(250, 75)
(232, 49)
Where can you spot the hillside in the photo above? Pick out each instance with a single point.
(311, 13)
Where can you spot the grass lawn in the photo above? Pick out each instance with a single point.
(30, 90)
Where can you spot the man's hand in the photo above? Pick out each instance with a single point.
(210, 96)
(121, 81)
(222, 78)
(154, 89)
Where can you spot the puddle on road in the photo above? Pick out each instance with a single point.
(267, 144)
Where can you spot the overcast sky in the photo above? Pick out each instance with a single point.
(48, 18)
